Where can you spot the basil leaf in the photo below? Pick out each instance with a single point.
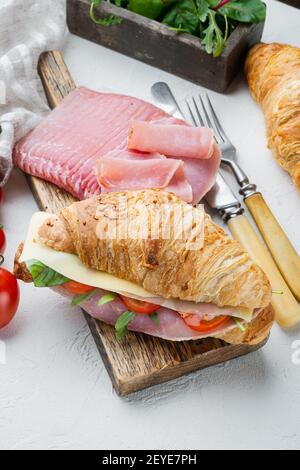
(105, 299)
(43, 276)
(121, 324)
(246, 11)
(154, 318)
(79, 299)
(239, 325)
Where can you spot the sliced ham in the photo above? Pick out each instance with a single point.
(122, 170)
(171, 139)
(65, 147)
(171, 326)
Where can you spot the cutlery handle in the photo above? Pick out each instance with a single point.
(283, 252)
(287, 310)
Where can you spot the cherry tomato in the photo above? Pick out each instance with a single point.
(2, 240)
(204, 326)
(76, 288)
(9, 297)
(1, 195)
(138, 306)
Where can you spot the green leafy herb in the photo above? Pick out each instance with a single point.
(183, 17)
(109, 21)
(246, 11)
(122, 323)
(213, 38)
(154, 318)
(43, 276)
(149, 8)
(239, 325)
(105, 299)
(212, 21)
(80, 298)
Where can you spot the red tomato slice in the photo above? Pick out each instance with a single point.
(76, 288)
(9, 297)
(2, 240)
(204, 326)
(138, 306)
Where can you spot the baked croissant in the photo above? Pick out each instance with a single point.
(218, 272)
(273, 74)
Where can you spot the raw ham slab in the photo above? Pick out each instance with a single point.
(65, 147)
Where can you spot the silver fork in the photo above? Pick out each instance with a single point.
(283, 252)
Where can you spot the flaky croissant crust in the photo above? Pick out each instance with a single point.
(220, 272)
(273, 74)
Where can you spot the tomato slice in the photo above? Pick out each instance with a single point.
(193, 321)
(138, 306)
(76, 288)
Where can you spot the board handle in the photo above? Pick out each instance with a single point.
(287, 310)
(283, 252)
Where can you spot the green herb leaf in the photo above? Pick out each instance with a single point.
(149, 8)
(213, 38)
(239, 325)
(79, 299)
(105, 299)
(108, 21)
(43, 276)
(183, 17)
(202, 7)
(121, 325)
(154, 318)
(246, 11)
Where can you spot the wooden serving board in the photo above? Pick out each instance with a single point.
(140, 361)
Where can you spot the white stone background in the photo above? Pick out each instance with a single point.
(54, 390)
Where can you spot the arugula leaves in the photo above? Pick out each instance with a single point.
(105, 299)
(79, 299)
(43, 276)
(212, 21)
(122, 323)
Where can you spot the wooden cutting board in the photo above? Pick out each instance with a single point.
(140, 361)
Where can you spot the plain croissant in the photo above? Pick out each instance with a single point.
(273, 74)
(218, 272)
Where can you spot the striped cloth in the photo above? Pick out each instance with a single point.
(27, 28)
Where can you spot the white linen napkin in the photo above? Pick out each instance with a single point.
(27, 28)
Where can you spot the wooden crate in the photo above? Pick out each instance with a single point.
(153, 43)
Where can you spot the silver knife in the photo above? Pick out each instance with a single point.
(221, 198)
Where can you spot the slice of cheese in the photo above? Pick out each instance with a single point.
(71, 267)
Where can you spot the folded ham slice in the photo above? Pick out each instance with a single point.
(128, 171)
(171, 139)
(170, 324)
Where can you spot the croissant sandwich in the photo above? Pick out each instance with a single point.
(273, 74)
(149, 262)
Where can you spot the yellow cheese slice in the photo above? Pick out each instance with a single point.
(71, 267)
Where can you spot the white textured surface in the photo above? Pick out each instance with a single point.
(55, 392)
